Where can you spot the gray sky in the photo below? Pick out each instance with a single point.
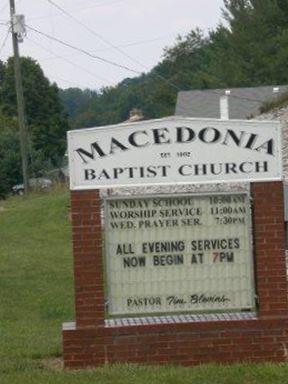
(141, 28)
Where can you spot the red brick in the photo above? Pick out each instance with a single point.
(91, 344)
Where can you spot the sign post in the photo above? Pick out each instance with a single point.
(177, 278)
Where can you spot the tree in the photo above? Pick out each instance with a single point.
(46, 118)
(255, 42)
(249, 49)
(10, 160)
(74, 99)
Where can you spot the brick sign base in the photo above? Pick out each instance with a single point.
(188, 339)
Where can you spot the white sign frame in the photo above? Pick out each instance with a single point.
(115, 168)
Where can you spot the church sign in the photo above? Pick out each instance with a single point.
(181, 253)
(171, 277)
(174, 150)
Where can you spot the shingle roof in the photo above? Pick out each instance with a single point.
(243, 102)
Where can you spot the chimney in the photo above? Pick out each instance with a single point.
(135, 115)
(224, 105)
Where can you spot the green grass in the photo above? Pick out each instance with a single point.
(36, 296)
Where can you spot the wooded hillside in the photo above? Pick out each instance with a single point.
(249, 48)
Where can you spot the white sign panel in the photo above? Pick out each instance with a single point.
(179, 254)
(174, 150)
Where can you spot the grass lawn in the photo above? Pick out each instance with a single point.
(36, 296)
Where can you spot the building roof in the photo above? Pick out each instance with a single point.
(243, 102)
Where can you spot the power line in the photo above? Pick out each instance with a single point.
(87, 53)
(70, 62)
(90, 30)
(136, 43)
(155, 74)
(116, 64)
(78, 9)
(141, 42)
(119, 65)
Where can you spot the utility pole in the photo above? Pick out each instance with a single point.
(17, 29)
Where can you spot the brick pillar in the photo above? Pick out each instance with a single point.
(88, 266)
(259, 338)
(269, 243)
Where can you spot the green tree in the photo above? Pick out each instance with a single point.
(10, 160)
(254, 45)
(250, 48)
(46, 118)
(74, 99)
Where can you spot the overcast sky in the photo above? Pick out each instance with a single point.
(140, 28)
